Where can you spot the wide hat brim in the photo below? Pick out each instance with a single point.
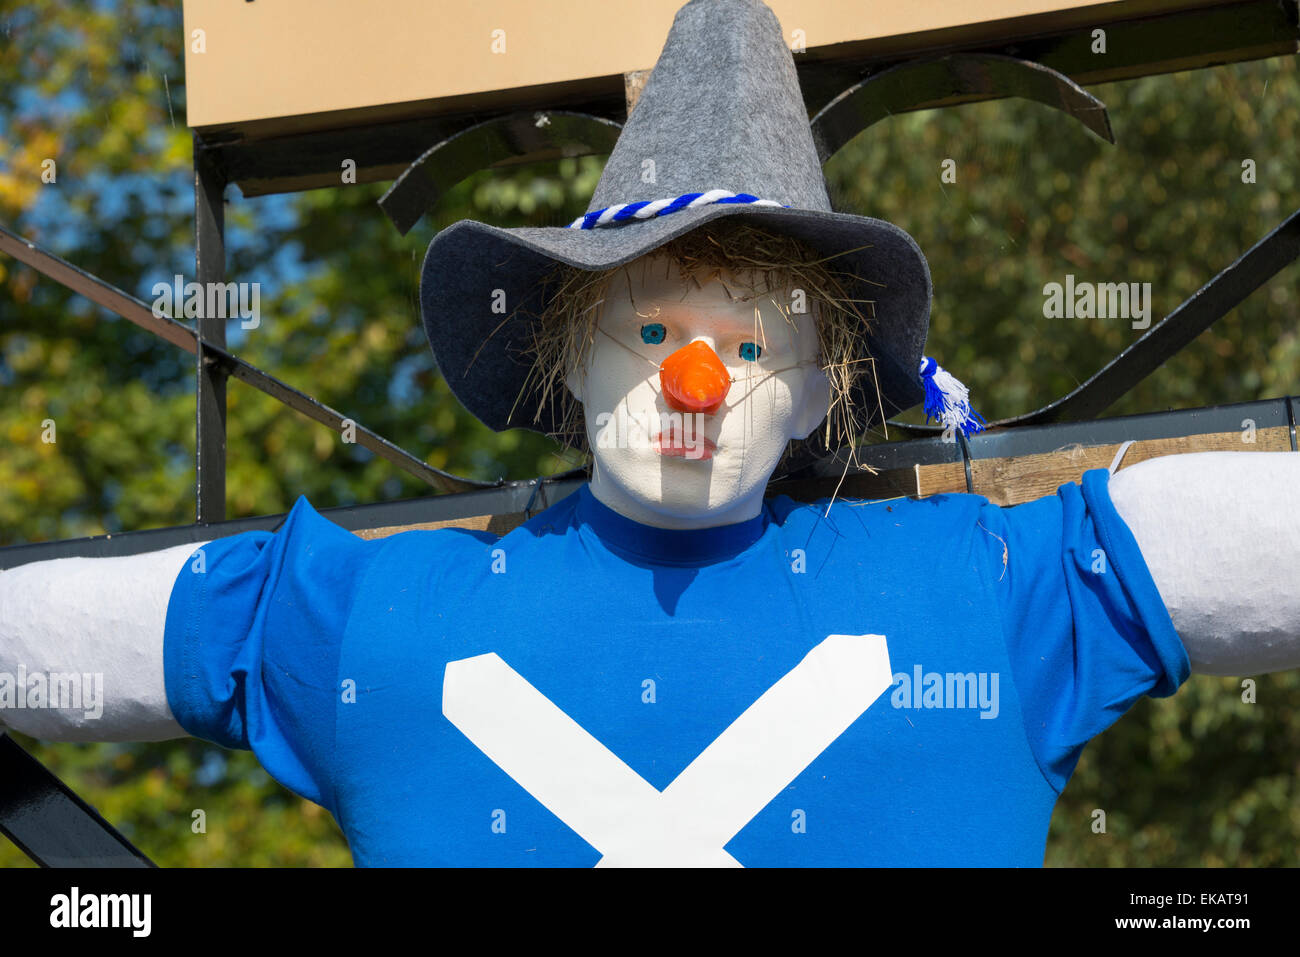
(482, 287)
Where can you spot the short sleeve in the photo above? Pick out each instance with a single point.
(252, 644)
(1087, 632)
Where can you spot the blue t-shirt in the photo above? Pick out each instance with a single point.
(907, 682)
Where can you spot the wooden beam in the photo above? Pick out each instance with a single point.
(496, 524)
(1003, 481)
(633, 84)
(1008, 466)
(382, 114)
(405, 58)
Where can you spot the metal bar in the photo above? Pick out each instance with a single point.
(1162, 43)
(965, 458)
(957, 76)
(1201, 310)
(291, 161)
(301, 402)
(1290, 421)
(514, 136)
(534, 494)
(1050, 437)
(133, 310)
(506, 499)
(210, 376)
(50, 824)
(1198, 312)
(96, 290)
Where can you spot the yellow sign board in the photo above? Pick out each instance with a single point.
(276, 66)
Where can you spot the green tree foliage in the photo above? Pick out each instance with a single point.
(1202, 778)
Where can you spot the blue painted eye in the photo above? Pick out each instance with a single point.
(653, 333)
(750, 351)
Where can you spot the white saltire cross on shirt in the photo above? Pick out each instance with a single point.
(689, 823)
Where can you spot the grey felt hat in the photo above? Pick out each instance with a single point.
(724, 121)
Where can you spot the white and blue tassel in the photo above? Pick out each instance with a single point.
(948, 401)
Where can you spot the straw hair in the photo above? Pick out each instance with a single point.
(724, 90)
(753, 265)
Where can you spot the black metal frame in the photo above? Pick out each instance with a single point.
(210, 372)
(50, 824)
(533, 496)
(55, 827)
(224, 365)
(1198, 312)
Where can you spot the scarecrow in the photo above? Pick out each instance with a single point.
(666, 668)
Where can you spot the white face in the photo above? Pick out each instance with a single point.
(694, 447)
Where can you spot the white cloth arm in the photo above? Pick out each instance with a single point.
(1220, 532)
(81, 647)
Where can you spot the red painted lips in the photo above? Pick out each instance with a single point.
(674, 447)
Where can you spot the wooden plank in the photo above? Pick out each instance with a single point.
(496, 524)
(280, 154)
(633, 84)
(1003, 481)
(298, 65)
(1011, 481)
(1023, 479)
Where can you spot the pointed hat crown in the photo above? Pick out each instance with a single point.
(722, 109)
(721, 129)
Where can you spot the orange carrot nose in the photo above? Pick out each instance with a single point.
(694, 379)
